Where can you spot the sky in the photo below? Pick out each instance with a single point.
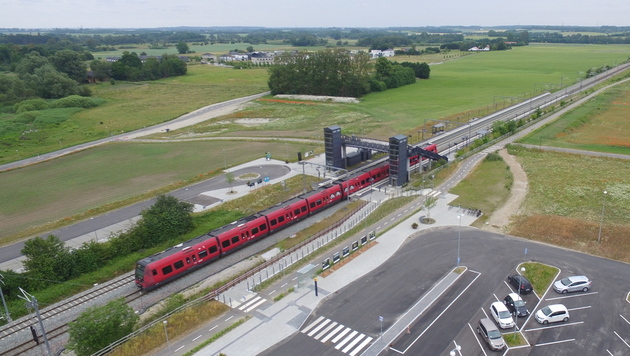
(42, 14)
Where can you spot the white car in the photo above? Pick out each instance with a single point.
(552, 314)
(501, 315)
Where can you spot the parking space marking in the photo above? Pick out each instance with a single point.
(620, 338)
(571, 296)
(555, 326)
(443, 311)
(479, 343)
(484, 313)
(495, 297)
(610, 353)
(626, 320)
(578, 308)
(509, 287)
(555, 342)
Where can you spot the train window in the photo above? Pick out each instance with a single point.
(178, 264)
(254, 231)
(319, 202)
(225, 243)
(213, 249)
(235, 239)
(273, 222)
(280, 219)
(312, 205)
(188, 260)
(154, 272)
(166, 270)
(194, 258)
(203, 254)
(303, 208)
(263, 227)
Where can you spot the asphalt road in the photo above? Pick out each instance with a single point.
(272, 171)
(597, 317)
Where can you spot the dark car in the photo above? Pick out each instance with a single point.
(515, 304)
(521, 284)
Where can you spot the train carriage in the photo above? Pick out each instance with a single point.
(240, 232)
(323, 198)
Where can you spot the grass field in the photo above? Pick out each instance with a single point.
(565, 200)
(70, 185)
(458, 90)
(130, 106)
(486, 188)
(601, 124)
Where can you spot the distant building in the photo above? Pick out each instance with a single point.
(477, 49)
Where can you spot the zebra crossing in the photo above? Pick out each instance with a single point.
(249, 303)
(343, 338)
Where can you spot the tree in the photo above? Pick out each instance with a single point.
(30, 62)
(71, 63)
(165, 219)
(250, 48)
(98, 327)
(229, 178)
(51, 84)
(182, 47)
(43, 259)
(430, 203)
(102, 69)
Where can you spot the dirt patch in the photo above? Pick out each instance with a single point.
(500, 219)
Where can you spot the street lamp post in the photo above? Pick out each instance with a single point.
(601, 221)
(166, 334)
(459, 237)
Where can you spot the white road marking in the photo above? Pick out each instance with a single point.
(325, 330)
(229, 318)
(555, 326)
(179, 348)
(319, 327)
(626, 320)
(479, 343)
(624, 341)
(344, 332)
(348, 338)
(306, 329)
(332, 333)
(571, 296)
(354, 342)
(195, 339)
(586, 307)
(272, 292)
(212, 328)
(282, 286)
(555, 342)
(261, 301)
(361, 346)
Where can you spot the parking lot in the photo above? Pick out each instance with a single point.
(599, 322)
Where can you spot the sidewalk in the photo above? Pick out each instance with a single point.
(288, 315)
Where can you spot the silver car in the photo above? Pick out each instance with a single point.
(572, 284)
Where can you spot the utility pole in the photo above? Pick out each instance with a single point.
(31, 302)
(6, 310)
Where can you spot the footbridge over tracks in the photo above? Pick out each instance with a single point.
(397, 148)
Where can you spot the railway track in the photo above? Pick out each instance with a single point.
(17, 337)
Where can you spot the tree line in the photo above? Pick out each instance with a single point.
(339, 73)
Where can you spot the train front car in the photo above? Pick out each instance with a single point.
(169, 264)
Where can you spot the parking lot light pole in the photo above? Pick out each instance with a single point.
(166, 334)
(601, 221)
(459, 237)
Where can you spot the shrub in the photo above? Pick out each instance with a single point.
(76, 101)
(30, 105)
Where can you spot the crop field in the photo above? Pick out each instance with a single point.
(601, 124)
(86, 180)
(565, 199)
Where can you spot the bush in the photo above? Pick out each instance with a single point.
(31, 105)
(76, 101)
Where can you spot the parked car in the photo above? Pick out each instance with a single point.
(572, 284)
(491, 334)
(519, 282)
(501, 315)
(552, 314)
(516, 304)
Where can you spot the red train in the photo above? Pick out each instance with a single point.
(167, 265)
